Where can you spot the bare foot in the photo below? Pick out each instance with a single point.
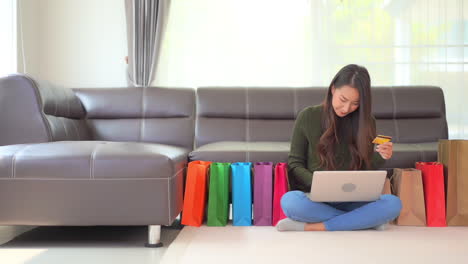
(315, 227)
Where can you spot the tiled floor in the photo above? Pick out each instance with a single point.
(70, 245)
(226, 245)
(396, 245)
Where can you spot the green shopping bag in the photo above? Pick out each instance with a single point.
(218, 196)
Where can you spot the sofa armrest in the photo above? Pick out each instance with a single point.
(35, 111)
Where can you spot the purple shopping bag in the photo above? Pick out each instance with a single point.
(263, 193)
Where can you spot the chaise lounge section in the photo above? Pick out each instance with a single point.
(93, 156)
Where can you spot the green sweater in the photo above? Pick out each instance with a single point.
(303, 157)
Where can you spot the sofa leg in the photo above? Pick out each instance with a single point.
(154, 236)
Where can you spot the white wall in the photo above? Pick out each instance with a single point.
(242, 42)
(74, 43)
(7, 36)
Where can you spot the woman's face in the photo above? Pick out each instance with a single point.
(345, 100)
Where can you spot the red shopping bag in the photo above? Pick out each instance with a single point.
(195, 193)
(280, 187)
(434, 192)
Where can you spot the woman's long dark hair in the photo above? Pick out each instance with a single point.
(357, 129)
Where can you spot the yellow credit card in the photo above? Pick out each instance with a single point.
(380, 139)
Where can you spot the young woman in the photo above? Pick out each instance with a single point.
(336, 135)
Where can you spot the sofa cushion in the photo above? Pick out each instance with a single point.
(404, 155)
(240, 151)
(91, 160)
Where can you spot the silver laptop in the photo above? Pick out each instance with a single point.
(347, 186)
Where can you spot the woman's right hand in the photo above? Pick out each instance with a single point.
(385, 150)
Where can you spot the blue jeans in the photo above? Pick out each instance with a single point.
(341, 216)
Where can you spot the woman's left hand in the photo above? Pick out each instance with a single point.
(385, 150)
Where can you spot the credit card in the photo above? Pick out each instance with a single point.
(380, 139)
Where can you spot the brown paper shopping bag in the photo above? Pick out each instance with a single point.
(454, 155)
(407, 184)
(387, 187)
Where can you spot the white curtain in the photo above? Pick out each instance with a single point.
(8, 49)
(305, 42)
(146, 20)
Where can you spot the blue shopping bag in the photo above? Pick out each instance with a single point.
(241, 193)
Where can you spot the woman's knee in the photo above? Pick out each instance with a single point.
(392, 204)
(290, 201)
(291, 198)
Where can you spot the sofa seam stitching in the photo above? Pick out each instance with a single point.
(13, 162)
(76, 129)
(395, 123)
(143, 113)
(107, 179)
(169, 200)
(41, 105)
(92, 160)
(62, 120)
(247, 124)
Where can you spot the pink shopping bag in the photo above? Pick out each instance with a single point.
(281, 187)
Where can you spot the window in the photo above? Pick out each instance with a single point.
(305, 42)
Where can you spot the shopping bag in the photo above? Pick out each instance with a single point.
(241, 193)
(453, 154)
(218, 196)
(195, 193)
(434, 192)
(387, 189)
(407, 184)
(280, 188)
(263, 193)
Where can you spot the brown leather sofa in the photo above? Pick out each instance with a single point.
(93, 156)
(257, 122)
(118, 156)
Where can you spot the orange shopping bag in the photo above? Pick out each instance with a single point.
(195, 193)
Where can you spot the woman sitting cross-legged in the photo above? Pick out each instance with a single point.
(336, 135)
